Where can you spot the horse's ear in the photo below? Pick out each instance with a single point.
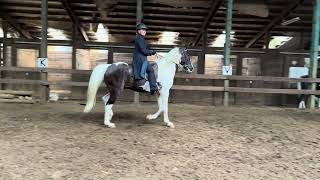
(181, 49)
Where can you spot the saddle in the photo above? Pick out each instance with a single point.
(141, 85)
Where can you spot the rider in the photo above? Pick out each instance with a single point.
(140, 65)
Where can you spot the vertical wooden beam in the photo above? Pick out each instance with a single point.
(315, 48)
(238, 73)
(44, 90)
(139, 14)
(285, 72)
(5, 42)
(110, 56)
(14, 53)
(202, 56)
(74, 44)
(1, 61)
(227, 50)
(139, 11)
(5, 49)
(13, 62)
(267, 39)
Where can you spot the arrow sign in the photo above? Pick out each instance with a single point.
(227, 70)
(42, 63)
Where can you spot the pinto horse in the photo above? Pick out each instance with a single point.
(117, 77)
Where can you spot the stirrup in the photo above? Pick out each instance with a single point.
(159, 85)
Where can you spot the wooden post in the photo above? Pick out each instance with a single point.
(14, 54)
(202, 56)
(227, 51)
(5, 42)
(267, 40)
(110, 56)
(315, 48)
(12, 62)
(74, 48)
(139, 11)
(5, 48)
(1, 61)
(139, 14)
(238, 73)
(44, 89)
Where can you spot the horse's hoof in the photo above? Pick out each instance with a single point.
(170, 125)
(150, 117)
(111, 125)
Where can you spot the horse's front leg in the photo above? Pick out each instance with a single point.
(165, 97)
(155, 115)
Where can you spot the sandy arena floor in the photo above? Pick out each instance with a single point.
(58, 141)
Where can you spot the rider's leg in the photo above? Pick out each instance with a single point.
(151, 78)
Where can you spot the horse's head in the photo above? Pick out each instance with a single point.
(185, 60)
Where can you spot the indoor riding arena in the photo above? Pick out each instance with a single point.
(242, 103)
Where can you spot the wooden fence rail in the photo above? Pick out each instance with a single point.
(43, 83)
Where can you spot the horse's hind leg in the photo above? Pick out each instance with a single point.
(108, 113)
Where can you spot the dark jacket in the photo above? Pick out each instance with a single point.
(139, 63)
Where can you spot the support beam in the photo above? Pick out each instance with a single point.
(202, 56)
(110, 56)
(315, 48)
(67, 6)
(14, 54)
(24, 33)
(215, 4)
(274, 22)
(4, 49)
(5, 42)
(139, 19)
(227, 47)
(267, 40)
(44, 90)
(44, 29)
(139, 11)
(74, 48)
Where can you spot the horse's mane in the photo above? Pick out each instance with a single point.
(167, 55)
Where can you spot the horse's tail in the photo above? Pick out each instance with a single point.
(96, 79)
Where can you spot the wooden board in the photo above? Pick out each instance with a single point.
(17, 101)
(7, 96)
(25, 93)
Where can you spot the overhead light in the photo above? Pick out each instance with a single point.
(221, 39)
(285, 23)
(56, 34)
(278, 41)
(168, 37)
(102, 33)
(8, 34)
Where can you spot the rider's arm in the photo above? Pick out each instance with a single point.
(143, 48)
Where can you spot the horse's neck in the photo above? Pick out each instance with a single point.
(166, 70)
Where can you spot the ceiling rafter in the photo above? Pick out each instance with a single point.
(67, 6)
(215, 5)
(286, 12)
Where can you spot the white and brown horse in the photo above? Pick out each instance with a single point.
(117, 76)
